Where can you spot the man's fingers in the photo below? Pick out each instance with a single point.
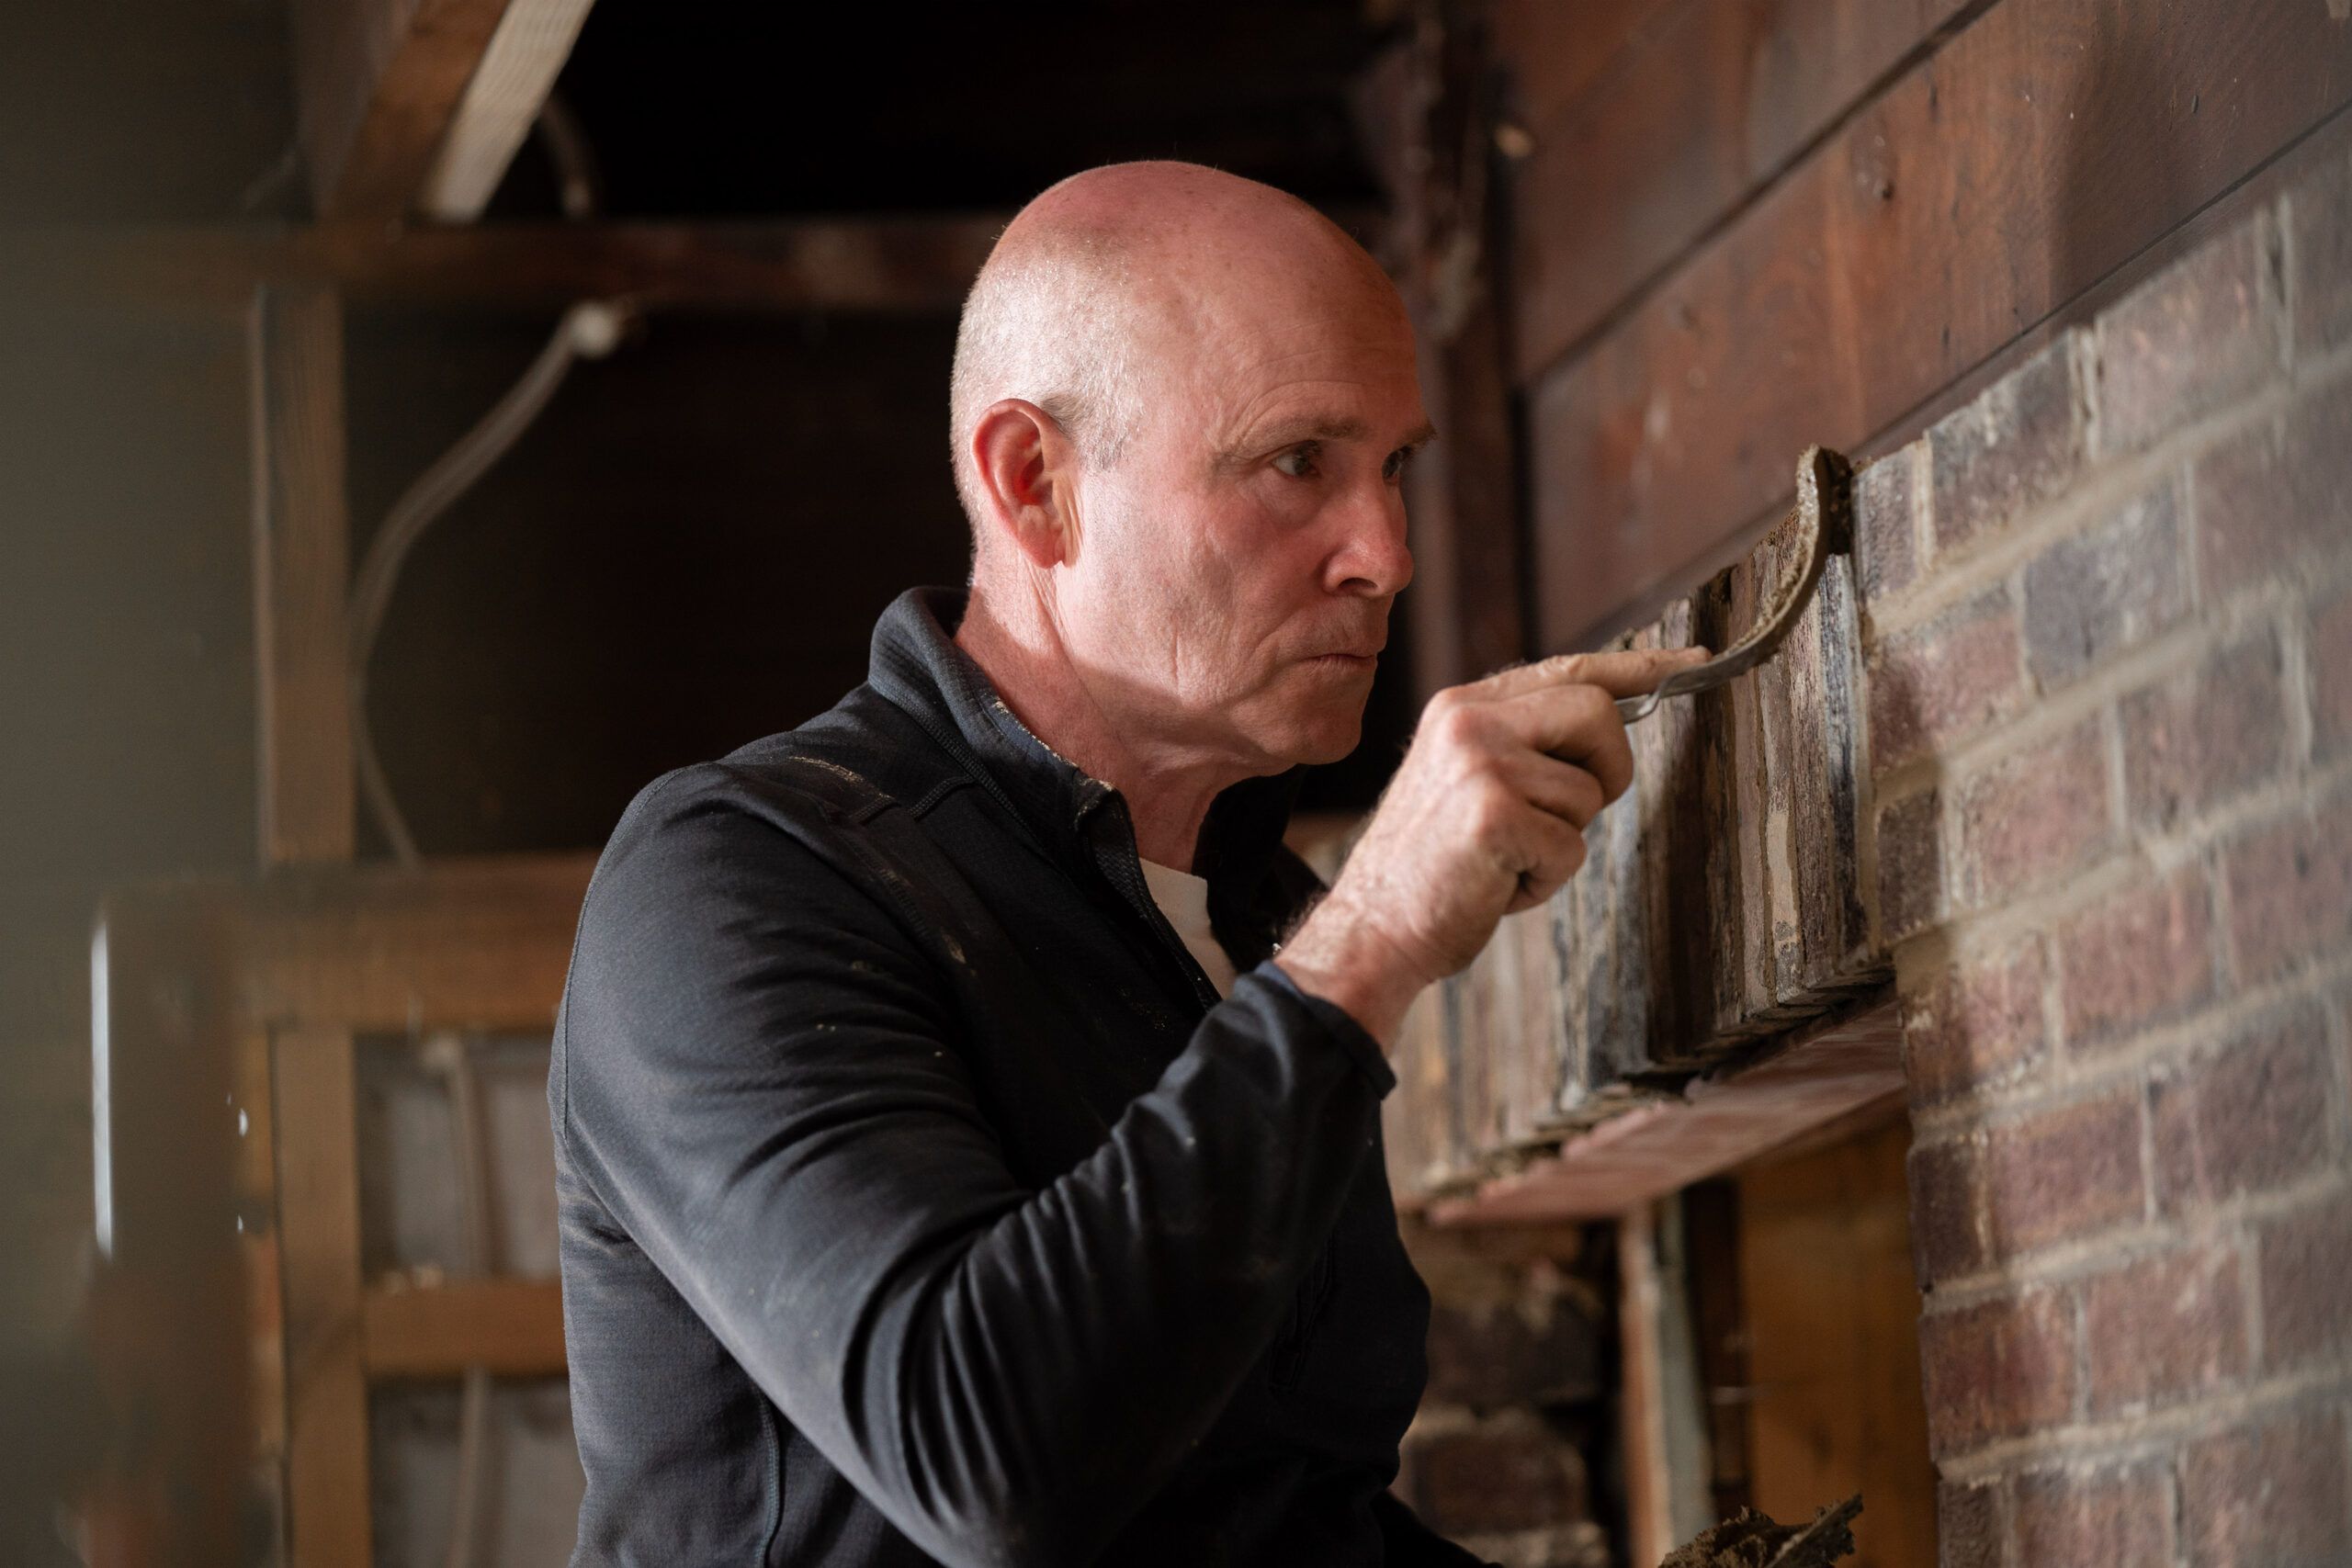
(1577, 724)
(1561, 788)
(1627, 672)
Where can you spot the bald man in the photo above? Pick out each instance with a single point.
(966, 1113)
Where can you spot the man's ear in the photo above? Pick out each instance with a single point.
(1026, 470)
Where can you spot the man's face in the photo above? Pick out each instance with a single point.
(1237, 563)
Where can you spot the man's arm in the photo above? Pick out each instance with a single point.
(760, 1080)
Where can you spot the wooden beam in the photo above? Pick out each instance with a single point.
(376, 86)
(512, 1328)
(2037, 151)
(517, 71)
(478, 943)
(301, 533)
(318, 1219)
(910, 265)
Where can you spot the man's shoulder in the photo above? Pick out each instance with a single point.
(797, 790)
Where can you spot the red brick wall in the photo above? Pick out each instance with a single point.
(2107, 610)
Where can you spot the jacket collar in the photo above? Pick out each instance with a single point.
(1073, 817)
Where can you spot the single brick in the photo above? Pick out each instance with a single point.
(1968, 1525)
(2019, 443)
(2163, 1329)
(1910, 864)
(1947, 1211)
(2269, 1493)
(2034, 817)
(2059, 1175)
(1886, 524)
(2195, 338)
(1978, 1024)
(1940, 682)
(2140, 956)
(2290, 890)
(1997, 1369)
(2105, 589)
(2321, 222)
(2193, 741)
(2114, 1518)
(2305, 1269)
(1510, 1471)
(2272, 496)
(2330, 657)
(2248, 1117)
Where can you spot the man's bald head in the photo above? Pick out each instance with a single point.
(1097, 288)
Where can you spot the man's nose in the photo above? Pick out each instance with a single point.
(1374, 558)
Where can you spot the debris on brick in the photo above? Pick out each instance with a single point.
(1755, 1541)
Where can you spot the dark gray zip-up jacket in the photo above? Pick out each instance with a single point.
(921, 1202)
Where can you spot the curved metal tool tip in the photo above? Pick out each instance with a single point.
(1824, 514)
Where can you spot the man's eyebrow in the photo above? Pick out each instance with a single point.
(1314, 427)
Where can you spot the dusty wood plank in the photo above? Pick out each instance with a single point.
(301, 530)
(1649, 1513)
(318, 1209)
(1835, 1403)
(916, 264)
(1687, 123)
(479, 943)
(2036, 153)
(1828, 1072)
(512, 1328)
(376, 84)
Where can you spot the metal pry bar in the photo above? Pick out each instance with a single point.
(1824, 514)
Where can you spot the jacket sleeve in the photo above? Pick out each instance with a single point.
(760, 1077)
(1409, 1543)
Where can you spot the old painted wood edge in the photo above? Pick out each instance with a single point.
(2038, 153)
(509, 1328)
(1826, 1072)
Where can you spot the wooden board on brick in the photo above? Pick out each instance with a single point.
(2038, 150)
(1719, 905)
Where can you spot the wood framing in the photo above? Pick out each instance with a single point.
(512, 1328)
(201, 978)
(302, 543)
(518, 68)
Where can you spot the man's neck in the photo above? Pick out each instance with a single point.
(1167, 789)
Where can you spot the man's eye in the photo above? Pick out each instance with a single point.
(1398, 461)
(1298, 462)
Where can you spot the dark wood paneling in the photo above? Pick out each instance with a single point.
(1705, 105)
(1557, 52)
(2036, 153)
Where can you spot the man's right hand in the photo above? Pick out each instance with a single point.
(1485, 817)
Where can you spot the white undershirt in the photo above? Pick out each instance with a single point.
(1185, 899)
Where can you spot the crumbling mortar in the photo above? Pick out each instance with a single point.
(2155, 1434)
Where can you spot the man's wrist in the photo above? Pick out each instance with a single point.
(1351, 973)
